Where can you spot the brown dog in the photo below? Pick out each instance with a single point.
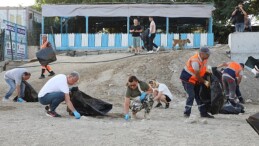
(181, 43)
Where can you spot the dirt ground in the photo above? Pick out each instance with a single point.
(27, 124)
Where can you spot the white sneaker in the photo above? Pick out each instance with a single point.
(5, 100)
(157, 49)
(150, 51)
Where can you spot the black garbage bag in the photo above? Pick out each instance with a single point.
(87, 105)
(144, 38)
(253, 121)
(46, 56)
(251, 62)
(30, 94)
(228, 108)
(212, 97)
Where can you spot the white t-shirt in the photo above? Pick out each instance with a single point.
(164, 89)
(56, 84)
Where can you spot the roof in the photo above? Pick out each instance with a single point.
(125, 10)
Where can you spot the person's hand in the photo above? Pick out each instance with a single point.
(77, 115)
(143, 96)
(126, 117)
(149, 35)
(19, 99)
(207, 83)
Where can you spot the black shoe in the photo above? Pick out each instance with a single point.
(166, 105)
(51, 73)
(159, 104)
(206, 115)
(52, 114)
(186, 115)
(42, 77)
(241, 100)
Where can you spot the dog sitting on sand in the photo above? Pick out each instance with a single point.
(181, 43)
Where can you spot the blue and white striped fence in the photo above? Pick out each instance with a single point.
(104, 41)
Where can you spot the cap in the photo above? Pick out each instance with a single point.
(205, 50)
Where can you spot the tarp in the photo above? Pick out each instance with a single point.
(228, 108)
(30, 94)
(253, 120)
(46, 56)
(126, 10)
(87, 105)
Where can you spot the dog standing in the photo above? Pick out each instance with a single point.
(181, 43)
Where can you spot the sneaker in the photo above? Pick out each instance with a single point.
(159, 104)
(150, 52)
(42, 77)
(166, 105)
(5, 100)
(20, 100)
(206, 115)
(186, 115)
(51, 74)
(157, 49)
(52, 114)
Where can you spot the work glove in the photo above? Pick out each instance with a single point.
(149, 35)
(77, 115)
(207, 83)
(19, 99)
(209, 69)
(143, 96)
(126, 117)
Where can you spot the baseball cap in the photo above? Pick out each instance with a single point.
(205, 50)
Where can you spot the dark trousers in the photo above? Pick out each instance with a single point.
(150, 42)
(193, 93)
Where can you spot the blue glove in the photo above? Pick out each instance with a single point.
(19, 99)
(126, 117)
(77, 115)
(143, 96)
(149, 35)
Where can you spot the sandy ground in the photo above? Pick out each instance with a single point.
(27, 124)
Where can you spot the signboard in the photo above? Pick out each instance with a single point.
(15, 41)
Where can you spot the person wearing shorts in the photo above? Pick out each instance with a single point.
(136, 29)
(161, 93)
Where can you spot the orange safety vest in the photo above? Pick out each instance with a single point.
(233, 69)
(188, 73)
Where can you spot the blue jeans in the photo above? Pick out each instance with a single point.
(193, 93)
(12, 86)
(52, 99)
(240, 27)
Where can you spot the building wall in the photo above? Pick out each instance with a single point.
(243, 45)
(20, 15)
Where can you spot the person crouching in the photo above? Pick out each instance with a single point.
(138, 97)
(161, 93)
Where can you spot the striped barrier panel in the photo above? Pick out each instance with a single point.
(104, 41)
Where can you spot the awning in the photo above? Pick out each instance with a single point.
(125, 10)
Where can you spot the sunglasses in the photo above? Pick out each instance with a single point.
(133, 85)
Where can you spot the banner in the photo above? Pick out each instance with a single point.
(15, 41)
